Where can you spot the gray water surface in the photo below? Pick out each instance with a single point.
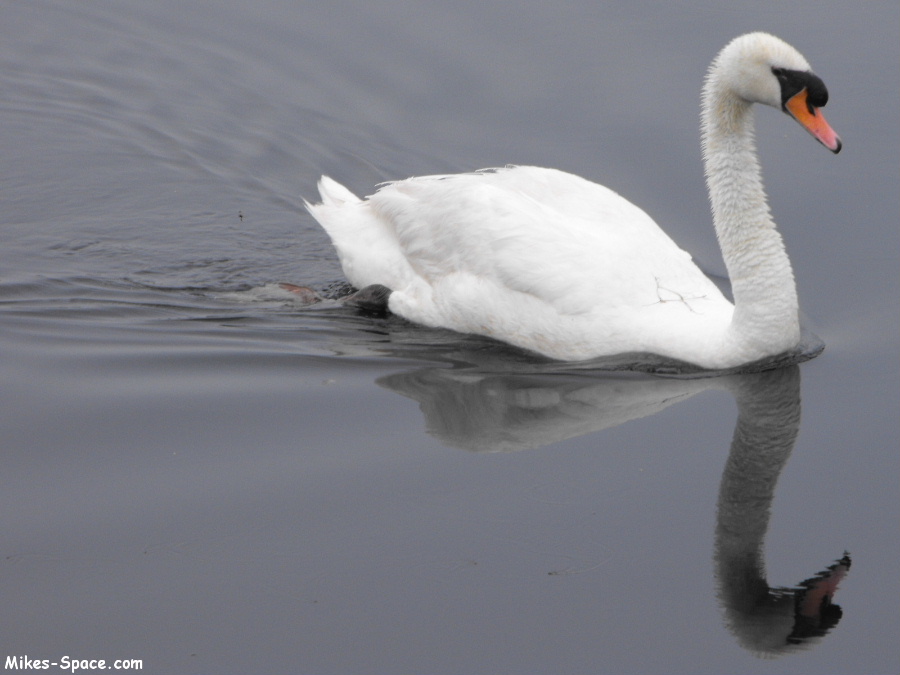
(200, 473)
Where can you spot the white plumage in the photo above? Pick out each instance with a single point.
(559, 265)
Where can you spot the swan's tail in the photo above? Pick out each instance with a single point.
(332, 194)
(367, 248)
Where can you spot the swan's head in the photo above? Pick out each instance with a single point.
(761, 68)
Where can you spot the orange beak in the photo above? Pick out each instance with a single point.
(812, 120)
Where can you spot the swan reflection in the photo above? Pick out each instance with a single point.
(489, 412)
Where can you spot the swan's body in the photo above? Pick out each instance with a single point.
(559, 265)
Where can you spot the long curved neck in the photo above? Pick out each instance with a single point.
(765, 295)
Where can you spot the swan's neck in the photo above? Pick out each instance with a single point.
(765, 295)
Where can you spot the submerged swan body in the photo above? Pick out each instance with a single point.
(564, 267)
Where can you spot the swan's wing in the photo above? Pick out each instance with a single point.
(570, 243)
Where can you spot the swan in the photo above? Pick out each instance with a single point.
(561, 266)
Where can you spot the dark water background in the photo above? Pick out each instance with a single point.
(200, 474)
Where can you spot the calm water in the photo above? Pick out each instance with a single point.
(203, 475)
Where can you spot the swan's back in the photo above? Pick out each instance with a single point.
(536, 257)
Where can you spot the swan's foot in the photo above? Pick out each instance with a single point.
(372, 298)
(305, 294)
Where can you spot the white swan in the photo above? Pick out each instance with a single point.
(558, 265)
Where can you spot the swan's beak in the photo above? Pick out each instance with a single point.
(812, 119)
